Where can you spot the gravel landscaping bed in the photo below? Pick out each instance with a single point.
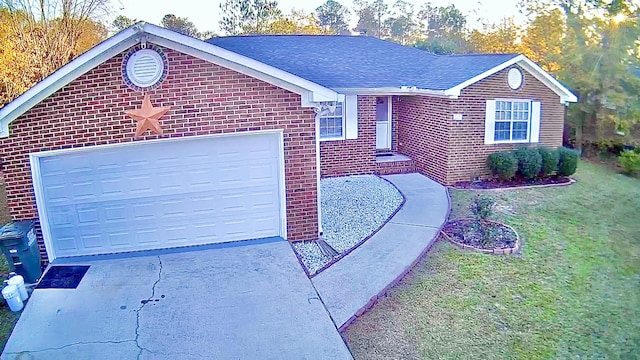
(353, 207)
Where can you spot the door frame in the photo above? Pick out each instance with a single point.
(34, 160)
(389, 121)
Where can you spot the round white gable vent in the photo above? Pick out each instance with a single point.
(145, 68)
(514, 78)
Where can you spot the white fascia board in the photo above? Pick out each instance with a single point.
(237, 62)
(66, 74)
(404, 90)
(565, 94)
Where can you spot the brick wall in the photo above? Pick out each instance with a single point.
(423, 133)
(205, 99)
(451, 151)
(468, 153)
(357, 156)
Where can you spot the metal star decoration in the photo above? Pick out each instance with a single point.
(148, 117)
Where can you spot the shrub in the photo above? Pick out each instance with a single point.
(482, 208)
(629, 161)
(529, 162)
(503, 164)
(550, 159)
(567, 161)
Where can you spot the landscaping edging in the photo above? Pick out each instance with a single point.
(311, 275)
(525, 187)
(503, 251)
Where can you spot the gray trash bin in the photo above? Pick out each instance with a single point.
(20, 247)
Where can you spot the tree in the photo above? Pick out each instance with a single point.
(442, 29)
(598, 58)
(371, 17)
(16, 75)
(333, 17)
(122, 22)
(298, 22)
(501, 38)
(180, 24)
(401, 26)
(248, 16)
(441, 21)
(48, 34)
(543, 39)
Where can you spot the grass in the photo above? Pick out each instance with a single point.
(573, 292)
(7, 318)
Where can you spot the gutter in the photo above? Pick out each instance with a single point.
(402, 90)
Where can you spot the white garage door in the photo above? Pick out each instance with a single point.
(160, 194)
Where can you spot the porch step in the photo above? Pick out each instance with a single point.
(394, 163)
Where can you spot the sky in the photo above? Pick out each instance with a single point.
(205, 14)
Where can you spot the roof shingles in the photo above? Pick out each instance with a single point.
(342, 62)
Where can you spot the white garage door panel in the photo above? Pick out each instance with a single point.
(163, 194)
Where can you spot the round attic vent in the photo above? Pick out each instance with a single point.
(514, 78)
(144, 68)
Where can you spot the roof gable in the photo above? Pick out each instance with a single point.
(311, 92)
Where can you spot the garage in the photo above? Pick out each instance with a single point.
(160, 194)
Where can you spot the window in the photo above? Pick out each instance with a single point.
(512, 121)
(332, 121)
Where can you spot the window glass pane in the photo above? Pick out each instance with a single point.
(338, 111)
(520, 131)
(502, 131)
(330, 127)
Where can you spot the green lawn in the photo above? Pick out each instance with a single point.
(573, 292)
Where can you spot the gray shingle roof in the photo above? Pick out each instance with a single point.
(339, 62)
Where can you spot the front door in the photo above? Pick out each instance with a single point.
(383, 123)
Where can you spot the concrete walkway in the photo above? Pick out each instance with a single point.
(354, 283)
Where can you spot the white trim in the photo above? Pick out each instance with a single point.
(351, 117)
(282, 182)
(390, 120)
(34, 159)
(535, 122)
(490, 122)
(318, 174)
(403, 90)
(565, 94)
(310, 91)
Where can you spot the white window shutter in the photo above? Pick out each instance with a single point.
(351, 116)
(535, 122)
(490, 122)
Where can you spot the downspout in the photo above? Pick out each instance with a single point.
(317, 126)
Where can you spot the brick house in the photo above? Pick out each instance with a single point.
(153, 139)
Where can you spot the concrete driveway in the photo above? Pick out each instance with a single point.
(247, 300)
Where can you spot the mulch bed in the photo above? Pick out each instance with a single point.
(518, 182)
(467, 232)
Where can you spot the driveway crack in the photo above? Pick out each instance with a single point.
(143, 304)
(70, 345)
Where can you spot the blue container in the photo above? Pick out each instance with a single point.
(20, 246)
